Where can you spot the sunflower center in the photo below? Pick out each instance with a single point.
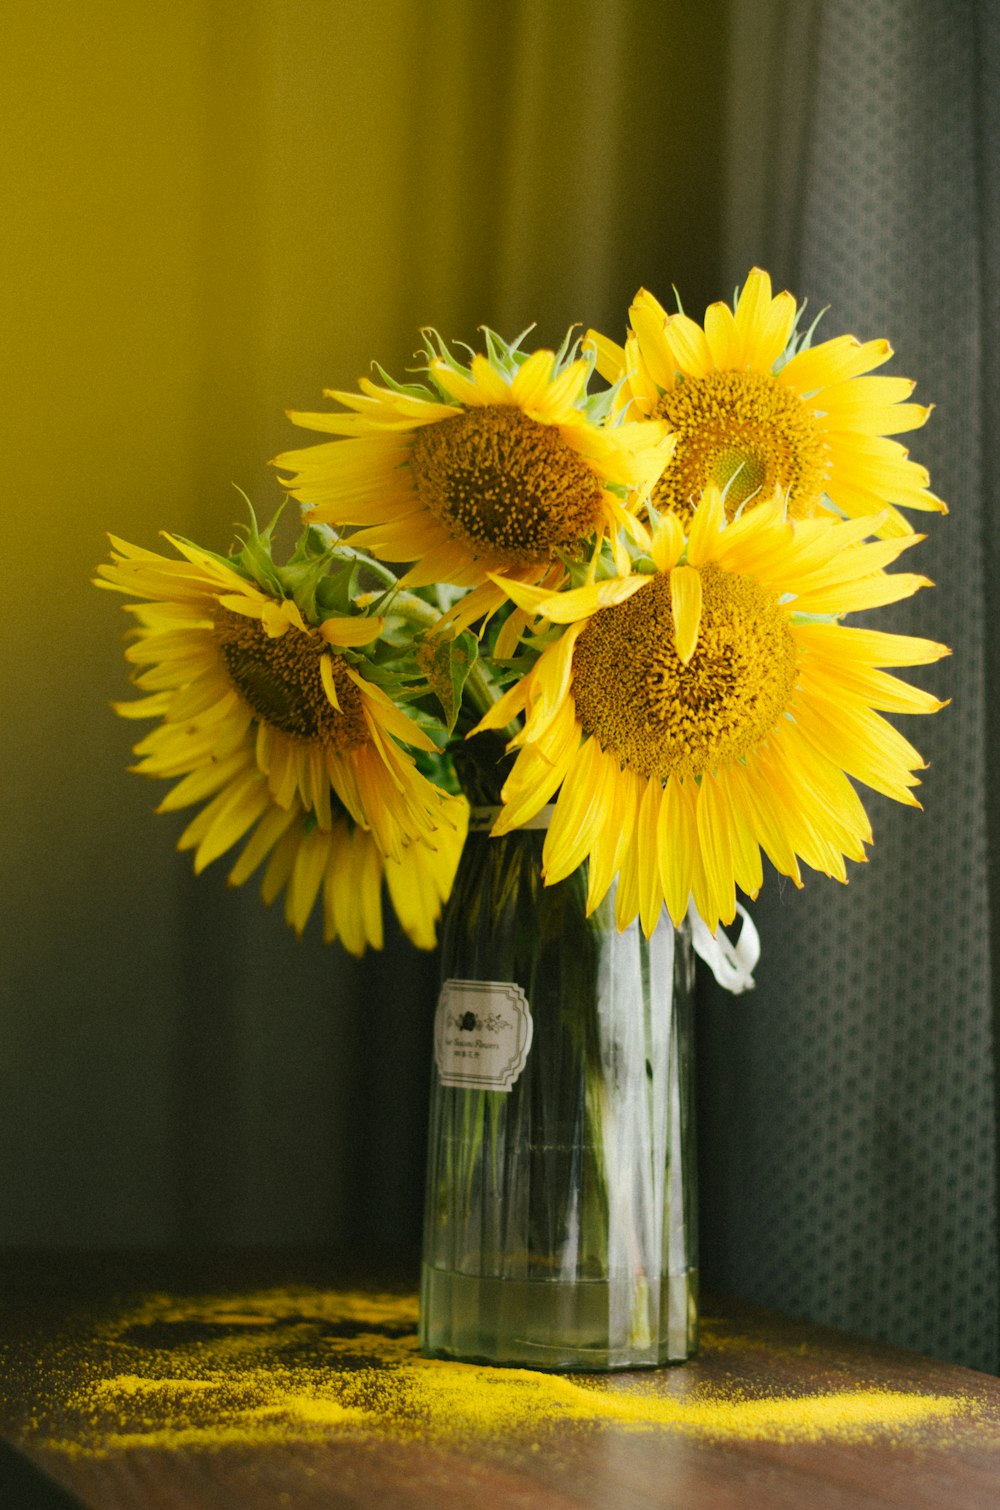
(504, 484)
(635, 695)
(745, 430)
(280, 680)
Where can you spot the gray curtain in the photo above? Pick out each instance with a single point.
(849, 1152)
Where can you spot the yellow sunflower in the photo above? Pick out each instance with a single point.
(344, 866)
(753, 408)
(693, 715)
(500, 470)
(341, 864)
(241, 684)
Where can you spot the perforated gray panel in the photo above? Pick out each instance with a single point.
(848, 1128)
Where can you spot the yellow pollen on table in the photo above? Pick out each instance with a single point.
(524, 1400)
(505, 485)
(304, 1365)
(662, 717)
(744, 430)
(279, 678)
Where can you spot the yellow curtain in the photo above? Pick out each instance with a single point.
(214, 209)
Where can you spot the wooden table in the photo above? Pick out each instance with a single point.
(204, 1384)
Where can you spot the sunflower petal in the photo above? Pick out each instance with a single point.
(352, 631)
(685, 603)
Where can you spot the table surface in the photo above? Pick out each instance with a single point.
(135, 1383)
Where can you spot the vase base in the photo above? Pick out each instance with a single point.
(557, 1325)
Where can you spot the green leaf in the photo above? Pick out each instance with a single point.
(335, 591)
(446, 663)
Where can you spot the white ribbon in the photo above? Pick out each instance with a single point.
(731, 964)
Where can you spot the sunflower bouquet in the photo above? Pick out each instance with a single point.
(574, 657)
(638, 591)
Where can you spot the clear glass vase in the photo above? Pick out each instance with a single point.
(560, 1225)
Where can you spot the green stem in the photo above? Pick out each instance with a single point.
(383, 573)
(410, 607)
(481, 689)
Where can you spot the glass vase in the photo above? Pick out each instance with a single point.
(560, 1224)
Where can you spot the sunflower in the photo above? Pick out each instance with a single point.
(752, 408)
(696, 713)
(341, 864)
(242, 685)
(344, 865)
(501, 469)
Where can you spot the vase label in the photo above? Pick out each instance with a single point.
(482, 1033)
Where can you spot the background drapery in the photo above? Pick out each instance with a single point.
(849, 1146)
(214, 211)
